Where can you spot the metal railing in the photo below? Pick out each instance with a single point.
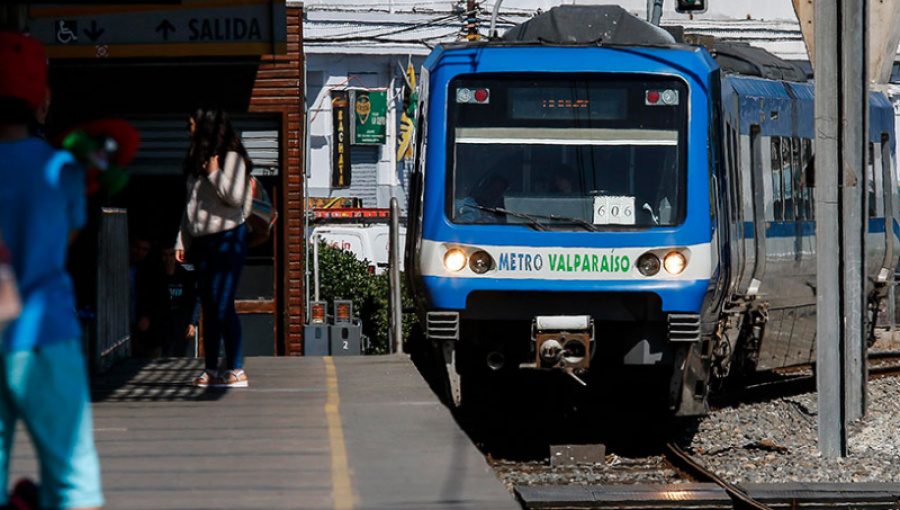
(888, 313)
(111, 331)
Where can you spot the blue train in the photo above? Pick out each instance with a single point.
(591, 197)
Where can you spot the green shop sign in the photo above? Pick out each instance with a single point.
(370, 117)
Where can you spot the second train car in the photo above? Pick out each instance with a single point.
(590, 196)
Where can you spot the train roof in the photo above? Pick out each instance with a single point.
(611, 25)
(585, 24)
(746, 60)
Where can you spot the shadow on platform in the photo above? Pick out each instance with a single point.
(147, 380)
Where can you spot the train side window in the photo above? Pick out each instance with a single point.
(887, 172)
(776, 178)
(788, 188)
(870, 182)
(759, 167)
(808, 190)
(879, 181)
(799, 204)
(734, 175)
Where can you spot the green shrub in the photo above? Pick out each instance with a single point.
(342, 276)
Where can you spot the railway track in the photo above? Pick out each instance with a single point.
(797, 380)
(699, 473)
(639, 453)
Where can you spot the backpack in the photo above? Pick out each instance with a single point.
(262, 215)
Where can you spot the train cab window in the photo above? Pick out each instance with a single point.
(870, 183)
(796, 188)
(787, 188)
(562, 152)
(807, 177)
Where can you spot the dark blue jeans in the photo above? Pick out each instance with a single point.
(219, 259)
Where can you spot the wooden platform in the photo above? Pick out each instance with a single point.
(310, 433)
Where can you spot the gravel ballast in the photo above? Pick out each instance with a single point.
(777, 441)
(768, 442)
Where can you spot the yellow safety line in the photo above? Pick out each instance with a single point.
(342, 491)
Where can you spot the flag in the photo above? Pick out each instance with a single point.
(407, 118)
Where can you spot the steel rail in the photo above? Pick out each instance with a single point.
(687, 464)
(793, 384)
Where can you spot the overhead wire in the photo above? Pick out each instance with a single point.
(443, 21)
(449, 20)
(433, 22)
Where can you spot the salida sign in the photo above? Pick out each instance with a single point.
(195, 28)
(228, 29)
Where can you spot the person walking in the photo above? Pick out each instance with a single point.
(213, 232)
(43, 377)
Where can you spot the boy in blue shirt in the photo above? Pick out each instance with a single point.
(43, 379)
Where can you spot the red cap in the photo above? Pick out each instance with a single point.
(23, 68)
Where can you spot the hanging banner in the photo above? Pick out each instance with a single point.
(340, 115)
(370, 117)
(407, 122)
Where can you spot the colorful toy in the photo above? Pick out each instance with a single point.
(105, 147)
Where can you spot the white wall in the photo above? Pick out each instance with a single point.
(374, 72)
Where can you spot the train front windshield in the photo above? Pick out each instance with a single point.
(561, 153)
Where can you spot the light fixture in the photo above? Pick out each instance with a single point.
(675, 263)
(455, 260)
(648, 264)
(480, 262)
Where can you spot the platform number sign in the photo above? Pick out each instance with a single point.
(614, 210)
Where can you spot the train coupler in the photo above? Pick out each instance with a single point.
(563, 342)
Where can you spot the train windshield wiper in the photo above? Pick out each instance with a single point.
(499, 210)
(587, 225)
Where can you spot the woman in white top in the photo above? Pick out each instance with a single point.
(212, 231)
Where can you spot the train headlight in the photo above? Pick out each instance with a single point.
(648, 264)
(454, 260)
(480, 262)
(675, 263)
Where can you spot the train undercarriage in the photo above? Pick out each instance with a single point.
(593, 338)
(621, 340)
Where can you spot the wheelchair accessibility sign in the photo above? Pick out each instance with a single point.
(66, 31)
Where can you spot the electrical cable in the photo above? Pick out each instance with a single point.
(434, 22)
(437, 22)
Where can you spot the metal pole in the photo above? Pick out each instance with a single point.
(829, 326)
(394, 256)
(854, 143)
(316, 263)
(493, 31)
(654, 11)
(841, 108)
(471, 20)
(305, 193)
(892, 302)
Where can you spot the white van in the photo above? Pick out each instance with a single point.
(368, 242)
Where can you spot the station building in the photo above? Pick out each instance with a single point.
(154, 65)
